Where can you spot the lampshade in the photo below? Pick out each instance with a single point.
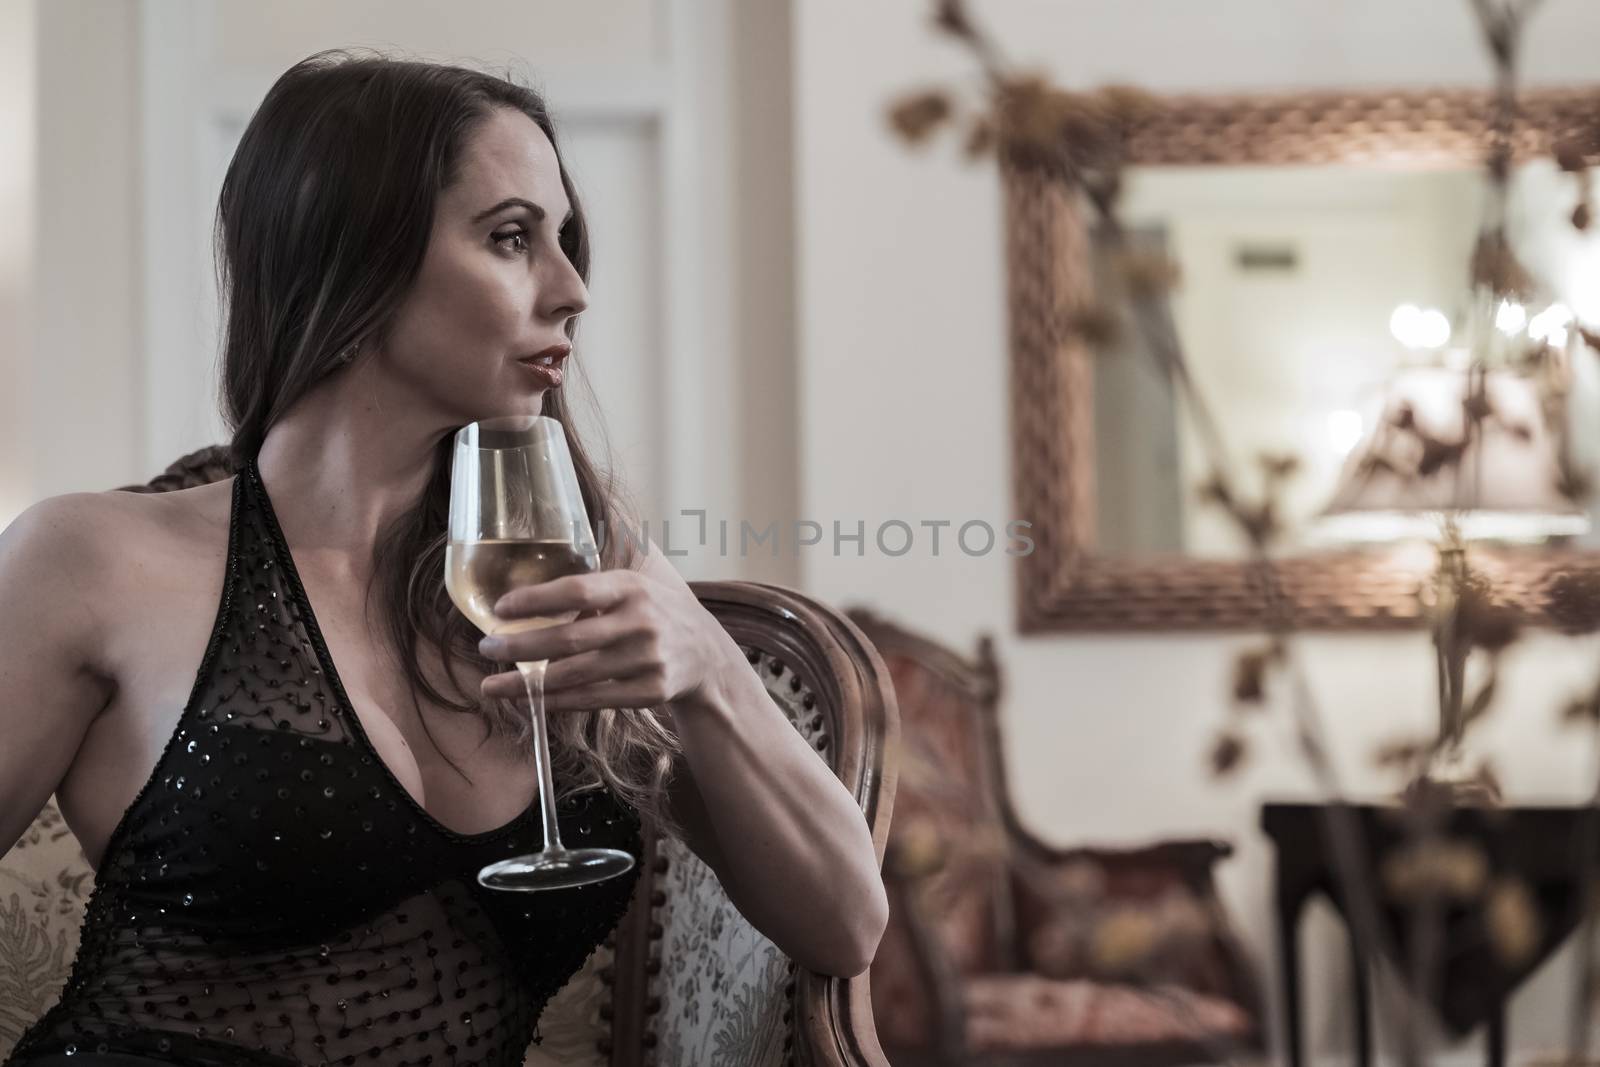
(1504, 485)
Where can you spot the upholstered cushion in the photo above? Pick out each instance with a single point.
(44, 888)
(571, 1028)
(1030, 1011)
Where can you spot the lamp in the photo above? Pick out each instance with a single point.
(1468, 451)
(1472, 444)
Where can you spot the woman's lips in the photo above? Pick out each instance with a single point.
(548, 373)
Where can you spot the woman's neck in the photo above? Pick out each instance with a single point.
(341, 466)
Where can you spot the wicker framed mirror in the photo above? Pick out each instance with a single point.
(1066, 583)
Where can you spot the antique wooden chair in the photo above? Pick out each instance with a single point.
(684, 980)
(1005, 950)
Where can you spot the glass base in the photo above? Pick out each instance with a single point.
(555, 868)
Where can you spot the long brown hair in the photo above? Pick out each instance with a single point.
(322, 226)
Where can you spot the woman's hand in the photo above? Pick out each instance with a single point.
(637, 642)
(758, 804)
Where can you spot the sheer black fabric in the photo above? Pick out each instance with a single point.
(275, 896)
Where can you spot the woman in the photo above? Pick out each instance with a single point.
(286, 859)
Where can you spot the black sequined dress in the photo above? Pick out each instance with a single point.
(275, 896)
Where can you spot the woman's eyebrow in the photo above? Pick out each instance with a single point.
(533, 209)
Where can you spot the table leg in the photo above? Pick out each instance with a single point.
(1289, 965)
(1362, 997)
(1496, 1038)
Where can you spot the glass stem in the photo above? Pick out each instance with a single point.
(533, 682)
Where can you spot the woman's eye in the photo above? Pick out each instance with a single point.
(515, 235)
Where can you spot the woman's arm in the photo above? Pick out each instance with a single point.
(758, 805)
(788, 841)
(49, 635)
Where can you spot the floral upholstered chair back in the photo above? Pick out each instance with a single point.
(946, 820)
(684, 980)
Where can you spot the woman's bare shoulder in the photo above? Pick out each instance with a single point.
(70, 567)
(178, 510)
(116, 527)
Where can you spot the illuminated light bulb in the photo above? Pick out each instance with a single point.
(1510, 318)
(1551, 324)
(1403, 324)
(1417, 328)
(1344, 430)
(1435, 329)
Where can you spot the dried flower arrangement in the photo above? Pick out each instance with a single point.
(1079, 139)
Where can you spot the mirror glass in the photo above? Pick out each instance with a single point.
(1289, 308)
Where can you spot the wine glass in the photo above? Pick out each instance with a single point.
(517, 518)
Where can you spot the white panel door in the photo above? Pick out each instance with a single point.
(615, 140)
(615, 166)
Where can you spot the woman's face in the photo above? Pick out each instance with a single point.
(495, 286)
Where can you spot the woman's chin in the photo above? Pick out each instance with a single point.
(523, 403)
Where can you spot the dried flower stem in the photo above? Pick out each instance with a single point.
(1502, 28)
(1079, 140)
(1161, 341)
(1581, 1009)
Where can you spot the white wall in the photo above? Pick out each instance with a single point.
(67, 246)
(116, 406)
(619, 31)
(757, 281)
(905, 415)
(18, 197)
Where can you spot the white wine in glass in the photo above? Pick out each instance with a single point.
(517, 518)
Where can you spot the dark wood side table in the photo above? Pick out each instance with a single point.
(1544, 847)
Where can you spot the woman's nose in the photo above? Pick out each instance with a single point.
(566, 295)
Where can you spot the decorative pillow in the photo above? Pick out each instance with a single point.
(1114, 940)
(571, 1029)
(1131, 918)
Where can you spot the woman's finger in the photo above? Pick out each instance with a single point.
(641, 691)
(597, 591)
(621, 660)
(554, 642)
